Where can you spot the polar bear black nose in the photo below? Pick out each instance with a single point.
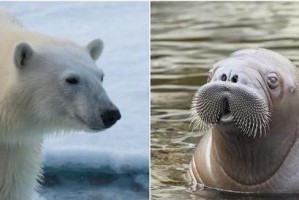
(109, 117)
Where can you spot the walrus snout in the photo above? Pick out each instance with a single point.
(226, 102)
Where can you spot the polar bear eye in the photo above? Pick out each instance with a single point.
(73, 80)
(102, 78)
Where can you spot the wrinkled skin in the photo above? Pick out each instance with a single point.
(251, 103)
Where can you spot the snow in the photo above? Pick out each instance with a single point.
(124, 28)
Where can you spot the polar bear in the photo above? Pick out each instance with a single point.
(46, 85)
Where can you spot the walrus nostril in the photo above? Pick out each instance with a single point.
(223, 77)
(110, 117)
(235, 78)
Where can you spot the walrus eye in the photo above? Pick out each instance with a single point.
(272, 80)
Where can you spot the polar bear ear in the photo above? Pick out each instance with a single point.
(95, 48)
(23, 53)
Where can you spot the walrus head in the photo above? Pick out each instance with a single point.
(251, 103)
(242, 90)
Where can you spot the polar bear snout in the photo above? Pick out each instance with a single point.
(109, 117)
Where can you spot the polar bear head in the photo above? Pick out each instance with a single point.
(60, 85)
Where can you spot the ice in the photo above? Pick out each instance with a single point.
(124, 28)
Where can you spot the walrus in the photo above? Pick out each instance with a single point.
(250, 105)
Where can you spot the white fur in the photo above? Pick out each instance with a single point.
(34, 100)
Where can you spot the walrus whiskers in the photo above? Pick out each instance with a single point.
(250, 112)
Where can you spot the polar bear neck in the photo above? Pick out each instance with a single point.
(19, 169)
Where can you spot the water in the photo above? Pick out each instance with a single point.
(186, 39)
(112, 164)
(93, 184)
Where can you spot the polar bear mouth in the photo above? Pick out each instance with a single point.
(107, 119)
(88, 126)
